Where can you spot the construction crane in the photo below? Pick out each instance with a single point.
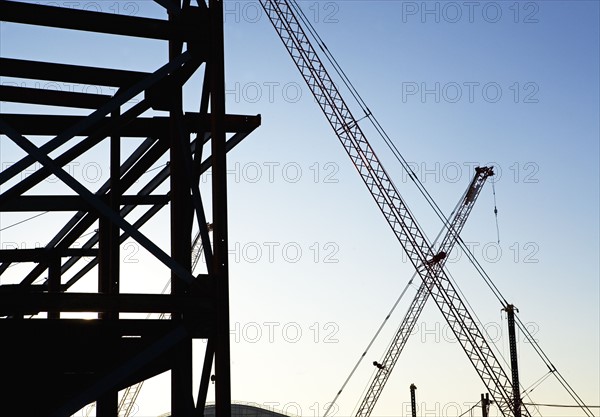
(416, 307)
(458, 219)
(384, 192)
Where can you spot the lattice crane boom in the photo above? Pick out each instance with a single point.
(390, 358)
(391, 204)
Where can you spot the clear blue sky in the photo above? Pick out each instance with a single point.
(314, 266)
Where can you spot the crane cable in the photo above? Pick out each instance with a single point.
(346, 81)
(529, 337)
(381, 131)
(408, 284)
(470, 409)
(23, 221)
(331, 404)
(400, 158)
(383, 134)
(536, 383)
(496, 210)
(560, 405)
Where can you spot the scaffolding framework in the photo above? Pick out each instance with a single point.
(66, 363)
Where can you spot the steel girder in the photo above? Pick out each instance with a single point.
(91, 360)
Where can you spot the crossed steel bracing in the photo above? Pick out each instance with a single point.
(60, 364)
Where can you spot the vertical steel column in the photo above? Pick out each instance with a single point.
(512, 340)
(109, 262)
(181, 232)
(485, 405)
(413, 400)
(114, 203)
(204, 379)
(107, 404)
(219, 205)
(54, 282)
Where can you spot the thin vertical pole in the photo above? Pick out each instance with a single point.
(485, 405)
(219, 205)
(514, 363)
(413, 401)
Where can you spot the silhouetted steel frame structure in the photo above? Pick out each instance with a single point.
(91, 360)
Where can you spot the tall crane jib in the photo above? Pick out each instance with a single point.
(453, 229)
(391, 204)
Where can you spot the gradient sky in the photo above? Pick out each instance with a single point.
(314, 266)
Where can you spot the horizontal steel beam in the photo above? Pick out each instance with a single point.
(73, 203)
(42, 255)
(115, 24)
(64, 334)
(52, 97)
(73, 74)
(19, 302)
(51, 125)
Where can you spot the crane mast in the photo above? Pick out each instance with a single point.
(407, 325)
(392, 206)
(512, 338)
(413, 401)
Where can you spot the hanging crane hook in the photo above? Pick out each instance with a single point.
(496, 210)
